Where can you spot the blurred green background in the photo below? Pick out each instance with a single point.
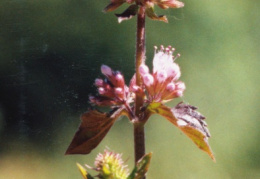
(50, 55)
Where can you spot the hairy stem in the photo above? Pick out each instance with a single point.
(139, 138)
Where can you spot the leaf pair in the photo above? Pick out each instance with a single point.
(95, 125)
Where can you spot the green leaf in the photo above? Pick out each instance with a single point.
(130, 12)
(93, 128)
(151, 14)
(132, 174)
(188, 120)
(84, 172)
(141, 167)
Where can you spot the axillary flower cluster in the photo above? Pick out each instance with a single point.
(160, 85)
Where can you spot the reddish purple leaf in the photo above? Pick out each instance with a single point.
(93, 128)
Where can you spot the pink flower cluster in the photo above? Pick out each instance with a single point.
(112, 90)
(161, 85)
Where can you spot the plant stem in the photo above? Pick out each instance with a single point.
(140, 53)
(139, 138)
(139, 141)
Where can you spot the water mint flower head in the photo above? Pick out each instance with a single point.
(162, 83)
(112, 90)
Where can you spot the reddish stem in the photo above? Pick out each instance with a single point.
(139, 141)
(139, 138)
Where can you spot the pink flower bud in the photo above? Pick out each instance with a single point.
(143, 69)
(135, 88)
(99, 82)
(180, 86)
(119, 77)
(148, 79)
(106, 70)
(170, 87)
(118, 91)
(119, 80)
(178, 93)
(101, 90)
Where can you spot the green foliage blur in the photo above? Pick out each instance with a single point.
(51, 52)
